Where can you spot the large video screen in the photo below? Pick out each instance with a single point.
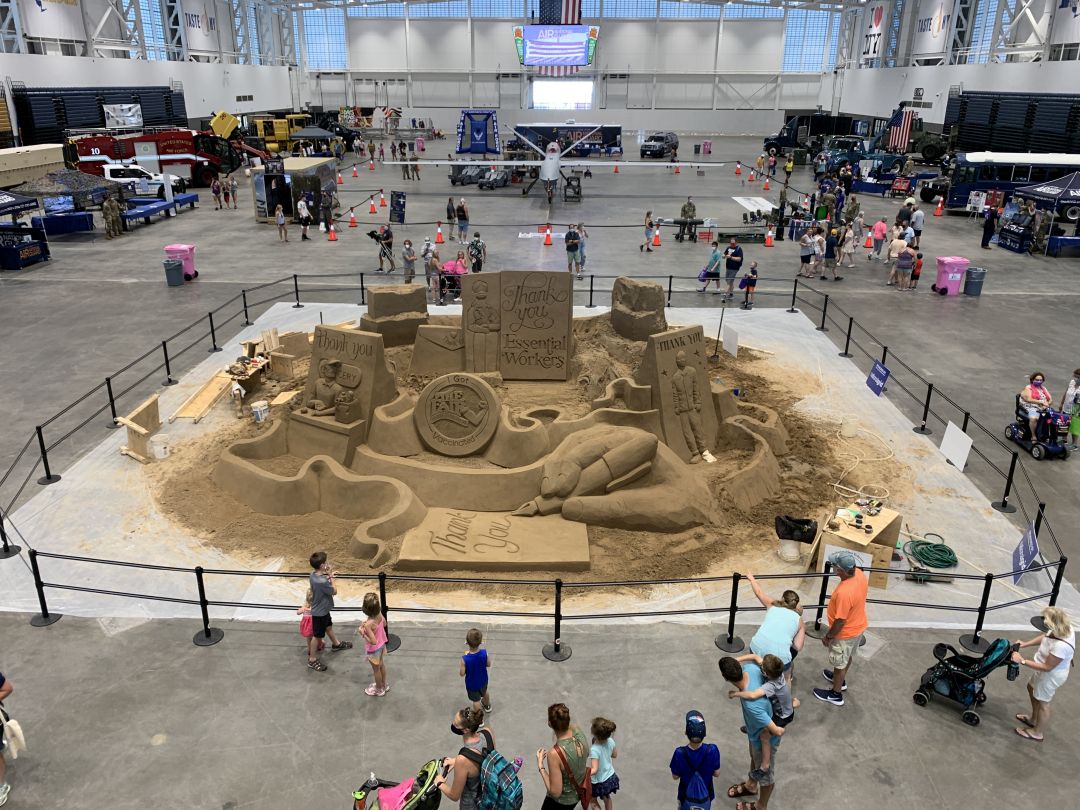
(556, 45)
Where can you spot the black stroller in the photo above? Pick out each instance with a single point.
(962, 678)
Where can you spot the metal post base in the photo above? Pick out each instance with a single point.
(560, 654)
(1003, 507)
(392, 642)
(215, 349)
(975, 644)
(791, 309)
(735, 645)
(821, 328)
(202, 640)
(52, 479)
(815, 633)
(9, 552)
(170, 381)
(111, 425)
(1038, 623)
(845, 354)
(44, 621)
(297, 306)
(922, 430)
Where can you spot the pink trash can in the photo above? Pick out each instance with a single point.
(706, 147)
(950, 275)
(185, 254)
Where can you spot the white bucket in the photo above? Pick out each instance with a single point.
(790, 550)
(848, 428)
(260, 410)
(159, 445)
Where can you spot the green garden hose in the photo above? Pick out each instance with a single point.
(932, 554)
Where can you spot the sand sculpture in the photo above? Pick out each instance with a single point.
(464, 480)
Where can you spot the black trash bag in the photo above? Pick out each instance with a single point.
(801, 530)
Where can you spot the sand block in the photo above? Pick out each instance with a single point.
(456, 415)
(325, 436)
(395, 312)
(637, 308)
(480, 321)
(295, 343)
(535, 325)
(684, 399)
(437, 350)
(494, 541)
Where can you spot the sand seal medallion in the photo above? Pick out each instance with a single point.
(457, 414)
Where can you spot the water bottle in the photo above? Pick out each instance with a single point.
(372, 782)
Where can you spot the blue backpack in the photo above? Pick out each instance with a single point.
(499, 788)
(697, 789)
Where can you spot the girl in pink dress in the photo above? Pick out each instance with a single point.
(373, 631)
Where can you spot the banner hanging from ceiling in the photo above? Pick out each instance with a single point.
(52, 19)
(932, 23)
(202, 24)
(1066, 29)
(872, 45)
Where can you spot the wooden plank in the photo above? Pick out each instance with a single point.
(198, 404)
(283, 397)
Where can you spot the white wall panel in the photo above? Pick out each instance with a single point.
(376, 44)
(684, 46)
(627, 44)
(495, 45)
(751, 45)
(437, 45)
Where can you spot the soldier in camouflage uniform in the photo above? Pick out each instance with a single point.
(110, 209)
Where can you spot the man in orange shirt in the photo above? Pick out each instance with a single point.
(847, 623)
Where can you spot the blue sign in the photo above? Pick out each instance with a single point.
(879, 375)
(1025, 553)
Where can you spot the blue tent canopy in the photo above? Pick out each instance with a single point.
(11, 203)
(1055, 192)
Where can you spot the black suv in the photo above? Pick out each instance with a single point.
(660, 145)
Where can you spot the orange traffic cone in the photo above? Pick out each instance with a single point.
(547, 236)
(616, 168)
(371, 165)
(382, 200)
(438, 235)
(768, 238)
(372, 209)
(677, 169)
(738, 167)
(340, 182)
(940, 207)
(352, 219)
(332, 237)
(766, 186)
(656, 237)
(869, 243)
(751, 178)
(354, 173)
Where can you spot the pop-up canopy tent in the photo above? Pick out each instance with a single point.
(11, 203)
(1061, 195)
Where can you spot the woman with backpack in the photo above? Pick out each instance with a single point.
(564, 768)
(465, 767)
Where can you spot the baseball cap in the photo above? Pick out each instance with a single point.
(695, 725)
(844, 559)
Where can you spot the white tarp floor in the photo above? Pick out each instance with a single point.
(103, 508)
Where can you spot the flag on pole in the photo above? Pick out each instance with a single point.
(559, 12)
(900, 129)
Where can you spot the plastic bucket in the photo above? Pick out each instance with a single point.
(789, 550)
(174, 272)
(159, 445)
(260, 410)
(973, 281)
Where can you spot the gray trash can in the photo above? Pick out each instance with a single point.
(174, 273)
(973, 281)
(697, 148)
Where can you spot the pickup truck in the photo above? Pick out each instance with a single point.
(848, 148)
(142, 180)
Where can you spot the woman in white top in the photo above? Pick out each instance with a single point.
(1051, 663)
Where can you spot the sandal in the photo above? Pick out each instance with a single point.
(1027, 735)
(739, 789)
(1023, 718)
(345, 645)
(317, 665)
(745, 805)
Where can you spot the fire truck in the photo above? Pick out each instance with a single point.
(196, 157)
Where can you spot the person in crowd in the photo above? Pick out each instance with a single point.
(461, 212)
(772, 163)
(358, 147)
(326, 209)
(282, 224)
(831, 250)
(909, 168)
(429, 256)
(789, 167)
(477, 250)
(847, 623)
(687, 212)
(373, 631)
(846, 177)
(405, 173)
(696, 764)
(858, 228)
(897, 246)
(806, 254)
(778, 690)
(846, 245)
(451, 216)
(878, 233)
(852, 208)
(323, 589)
(572, 242)
(386, 247)
(234, 187)
(903, 216)
(1035, 397)
(215, 190)
(475, 663)
(110, 212)
(605, 782)
(916, 271)
(712, 268)
(757, 716)
(820, 164)
(476, 740)
(1052, 662)
(759, 164)
(226, 193)
(646, 246)
(990, 222)
(5, 789)
(382, 153)
(750, 281)
(393, 151)
(905, 264)
(918, 220)
(1070, 404)
(403, 149)
(304, 612)
(371, 148)
(733, 259)
(450, 277)
(582, 236)
(782, 632)
(303, 214)
(817, 269)
(565, 767)
(408, 260)
(414, 165)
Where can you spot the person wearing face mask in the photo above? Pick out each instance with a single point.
(1070, 404)
(1036, 398)
(465, 767)
(687, 213)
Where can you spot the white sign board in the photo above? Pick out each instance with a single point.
(1066, 23)
(52, 19)
(932, 28)
(123, 115)
(873, 40)
(754, 203)
(863, 559)
(731, 341)
(201, 24)
(956, 445)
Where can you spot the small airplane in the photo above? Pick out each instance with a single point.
(552, 163)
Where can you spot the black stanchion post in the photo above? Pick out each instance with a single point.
(168, 368)
(1057, 580)
(44, 618)
(112, 424)
(363, 292)
(213, 334)
(247, 317)
(1003, 505)
(847, 340)
(208, 636)
(967, 418)
(884, 356)
(815, 630)
(296, 291)
(670, 281)
(591, 304)
(975, 642)
(922, 428)
(6, 549)
(557, 650)
(794, 296)
(48, 478)
(392, 641)
(824, 313)
(732, 643)
(1039, 519)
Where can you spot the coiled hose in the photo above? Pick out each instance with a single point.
(931, 553)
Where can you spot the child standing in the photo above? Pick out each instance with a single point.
(373, 631)
(916, 271)
(282, 224)
(475, 664)
(749, 283)
(307, 629)
(778, 691)
(605, 782)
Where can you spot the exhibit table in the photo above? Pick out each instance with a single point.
(66, 222)
(1015, 238)
(22, 246)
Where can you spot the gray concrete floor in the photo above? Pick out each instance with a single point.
(138, 717)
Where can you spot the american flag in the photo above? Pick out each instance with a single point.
(559, 12)
(900, 129)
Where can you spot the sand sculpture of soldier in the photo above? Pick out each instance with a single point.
(687, 402)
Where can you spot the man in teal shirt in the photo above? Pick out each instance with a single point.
(757, 714)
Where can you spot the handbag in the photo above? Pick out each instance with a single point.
(307, 629)
(584, 792)
(704, 274)
(12, 732)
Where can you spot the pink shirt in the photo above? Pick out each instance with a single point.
(880, 229)
(455, 268)
(380, 637)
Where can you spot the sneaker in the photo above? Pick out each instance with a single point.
(386, 689)
(372, 691)
(580, 276)
(829, 696)
(345, 645)
(709, 457)
(487, 709)
(317, 665)
(838, 278)
(827, 675)
(5, 791)
(703, 289)
(757, 774)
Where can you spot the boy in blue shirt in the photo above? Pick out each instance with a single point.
(757, 716)
(474, 666)
(695, 764)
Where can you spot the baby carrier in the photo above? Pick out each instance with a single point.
(418, 793)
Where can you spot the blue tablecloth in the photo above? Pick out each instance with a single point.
(1056, 243)
(70, 222)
